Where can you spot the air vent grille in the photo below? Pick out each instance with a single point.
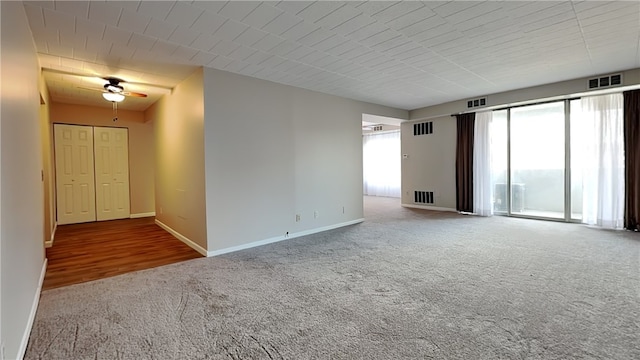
(423, 128)
(377, 128)
(605, 81)
(476, 102)
(423, 197)
(616, 79)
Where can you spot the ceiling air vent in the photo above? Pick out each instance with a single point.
(616, 79)
(376, 127)
(424, 128)
(605, 81)
(476, 102)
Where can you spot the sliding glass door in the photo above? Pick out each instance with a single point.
(537, 148)
(560, 160)
(528, 161)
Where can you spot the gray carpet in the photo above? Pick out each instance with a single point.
(405, 284)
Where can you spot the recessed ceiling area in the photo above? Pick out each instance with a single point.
(404, 54)
(369, 119)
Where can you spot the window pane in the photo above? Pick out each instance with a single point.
(381, 166)
(577, 160)
(537, 160)
(499, 161)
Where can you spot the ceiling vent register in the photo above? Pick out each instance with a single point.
(476, 102)
(605, 81)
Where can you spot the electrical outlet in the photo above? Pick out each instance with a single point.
(316, 214)
(297, 217)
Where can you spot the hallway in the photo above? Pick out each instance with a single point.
(96, 250)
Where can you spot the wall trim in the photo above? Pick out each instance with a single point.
(32, 315)
(434, 208)
(281, 238)
(183, 238)
(49, 243)
(141, 215)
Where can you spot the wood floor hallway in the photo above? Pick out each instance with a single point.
(96, 250)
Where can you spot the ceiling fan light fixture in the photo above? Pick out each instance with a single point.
(114, 88)
(113, 97)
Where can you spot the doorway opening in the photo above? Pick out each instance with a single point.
(381, 166)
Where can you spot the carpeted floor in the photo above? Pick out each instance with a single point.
(405, 284)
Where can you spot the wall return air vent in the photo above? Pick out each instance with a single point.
(605, 81)
(423, 197)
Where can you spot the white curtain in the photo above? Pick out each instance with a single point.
(381, 164)
(482, 184)
(602, 165)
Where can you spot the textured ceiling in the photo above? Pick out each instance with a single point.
(406, 54)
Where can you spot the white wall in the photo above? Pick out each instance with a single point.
(430, 165)
(178, 122)
(274, 151)
(431, 162)
(46, 139)
(21, 187)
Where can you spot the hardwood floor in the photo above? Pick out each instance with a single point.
(91, 251)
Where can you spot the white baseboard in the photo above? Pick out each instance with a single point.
(48, 244)
(183, 238)
(204, 252)
(435, 208)
(141, 215)
(32, 315)
(281, 238)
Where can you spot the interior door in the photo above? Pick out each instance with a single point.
(112, 173)
(75, 184)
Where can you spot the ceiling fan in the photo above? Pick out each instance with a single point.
(113, 91)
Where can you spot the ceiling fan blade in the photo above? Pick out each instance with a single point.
(107, 78)
(92, 89)
(134, 94)
(148, 85)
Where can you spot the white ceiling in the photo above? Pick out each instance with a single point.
(406, 54)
